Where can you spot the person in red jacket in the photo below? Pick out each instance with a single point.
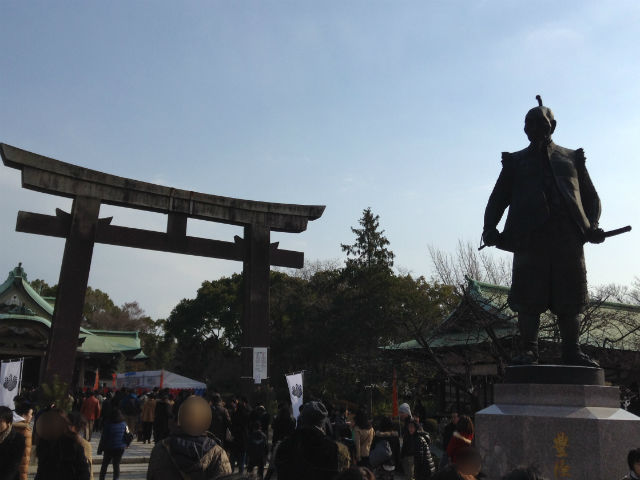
(91, 410)
(462, 437)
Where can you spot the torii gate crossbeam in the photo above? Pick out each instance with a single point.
(82, 228)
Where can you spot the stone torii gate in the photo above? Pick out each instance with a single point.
(82, 228)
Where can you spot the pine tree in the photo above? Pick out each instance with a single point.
(370, 247)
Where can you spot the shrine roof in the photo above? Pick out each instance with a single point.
(95, 341)
(123, 340)
(611, 324)
(18, 278)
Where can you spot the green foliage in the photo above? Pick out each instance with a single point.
(370, 247)
(43, 289)
(207, 331)
(56, 393)
(159, 349)
(329, 321)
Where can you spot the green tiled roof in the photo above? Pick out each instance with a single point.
(120, 339)
(95, 341)
(614, 326)
(18, 277)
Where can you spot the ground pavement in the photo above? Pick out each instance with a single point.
(134, 462)
(133, 466)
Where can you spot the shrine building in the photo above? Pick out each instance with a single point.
(25, 322)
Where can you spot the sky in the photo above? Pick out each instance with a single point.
(400, 106)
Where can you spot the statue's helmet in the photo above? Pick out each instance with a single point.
(539, 122)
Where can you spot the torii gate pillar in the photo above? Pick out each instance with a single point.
(72, 287)
(255, 313)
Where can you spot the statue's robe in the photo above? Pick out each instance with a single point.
(552, 205)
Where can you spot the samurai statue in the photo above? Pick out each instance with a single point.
(554, 210)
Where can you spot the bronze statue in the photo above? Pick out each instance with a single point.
(553, 210)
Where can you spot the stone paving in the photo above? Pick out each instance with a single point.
(133, 466)
(134, 462)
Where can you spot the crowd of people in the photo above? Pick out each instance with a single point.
(205, 438)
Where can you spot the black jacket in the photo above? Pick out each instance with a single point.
(521, 187)
(11, 451)
(423, 465)
(283, 426)
(62, 455)
(309, 454)
(240, 427)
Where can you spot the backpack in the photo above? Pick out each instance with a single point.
(380, 453)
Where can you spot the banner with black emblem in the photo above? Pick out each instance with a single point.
(10, 379)
(294, 381)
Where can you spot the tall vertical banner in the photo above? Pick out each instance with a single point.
(259, 364)
(294, 382)
(10, 380)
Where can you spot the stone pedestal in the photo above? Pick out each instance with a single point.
(565, 430)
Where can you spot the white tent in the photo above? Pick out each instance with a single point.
(154, 378)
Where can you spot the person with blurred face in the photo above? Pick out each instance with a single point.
(633, 460)
(191, 452)
(12, 446)
(467, 466)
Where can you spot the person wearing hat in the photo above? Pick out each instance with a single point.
(407, 453)
(553, 210)
(309, 453)
(191, 452)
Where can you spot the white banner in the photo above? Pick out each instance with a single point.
(10, 377)
(259, 364)
(295, 391)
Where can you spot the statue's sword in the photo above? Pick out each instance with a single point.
(617, 231)
(610, 233)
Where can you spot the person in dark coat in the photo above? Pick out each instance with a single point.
(240, 433)
(220, 420)
(423, 465)
(407, 453)
(283, 425)
(257, 449)
(190, 452)
(309, 453)
(12, 446)
(553, 210)
(58, 449)
(112, 443)
(161, 418)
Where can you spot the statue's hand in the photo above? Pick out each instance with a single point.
(491, 236)
(595, 235)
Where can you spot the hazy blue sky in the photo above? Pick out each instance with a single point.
(400, 106)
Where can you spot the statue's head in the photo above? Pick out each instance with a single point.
(539, 123)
